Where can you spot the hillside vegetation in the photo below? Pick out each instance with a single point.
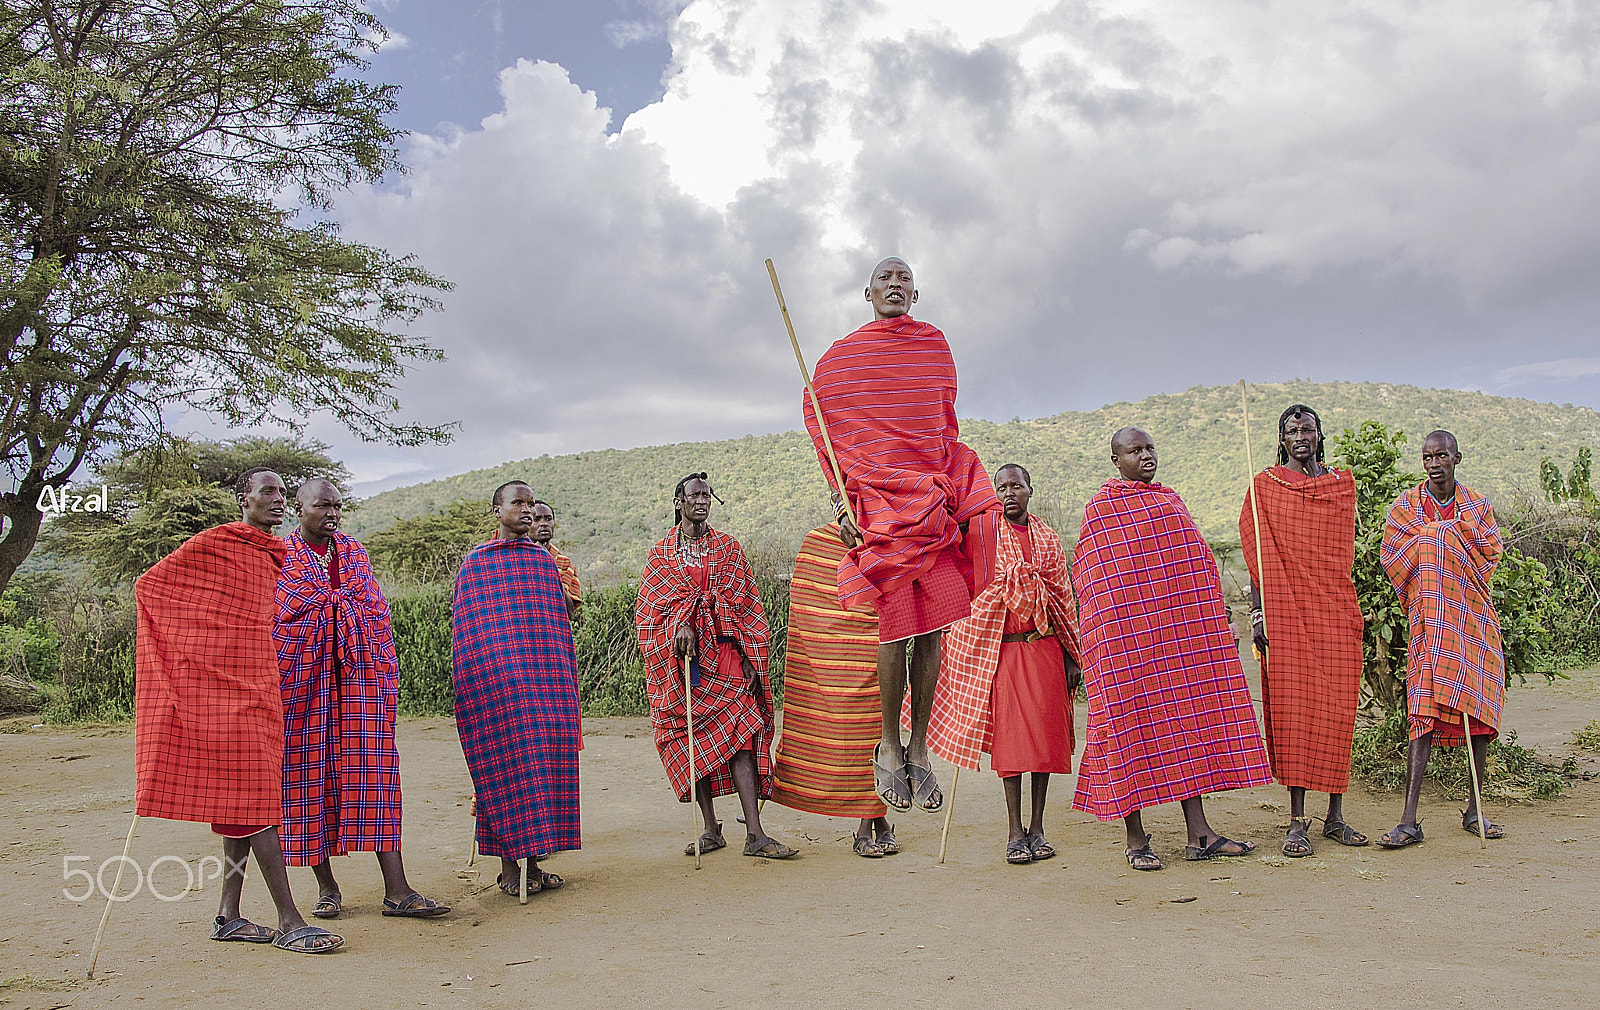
(613, 504)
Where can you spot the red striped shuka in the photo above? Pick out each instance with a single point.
(888, 394)
(1169, 710)
(715, 594)
(1440, 559)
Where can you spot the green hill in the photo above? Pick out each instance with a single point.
(613, 504)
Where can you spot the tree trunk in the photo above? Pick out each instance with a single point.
(22, 529)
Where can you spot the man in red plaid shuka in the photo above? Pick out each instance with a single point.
(1009, 670)
(1311, 670)
(208, 724)
(887, 393)
(1170, 716)
(341, 771)
(699, 612)
(1440, 548)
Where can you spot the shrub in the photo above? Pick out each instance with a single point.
(422, 640)
(1512, 773)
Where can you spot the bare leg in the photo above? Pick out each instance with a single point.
(1480, 754)
(1012, 785)
(1041, 788)
(1298, 842)
(395, 886)
(743, 767)
(1335, 808)
(1417, 754)
(1137, 836)
(1297, 801)
(708, 812)
(327, 887)
(891, 695)
(235, 860)
(924, 676)
(1200, 833)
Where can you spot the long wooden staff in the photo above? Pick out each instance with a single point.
(1472, 769)
(949, 811)
(688, 711)
(1255, 508)
(816, 407)
(115, 884)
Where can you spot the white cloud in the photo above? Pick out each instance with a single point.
(1100, 201)
(1559, 369)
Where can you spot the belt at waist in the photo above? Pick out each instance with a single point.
(1026, 636)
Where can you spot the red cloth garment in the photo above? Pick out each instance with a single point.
(1170, 715)
(933, 601)
(1311, 675)
(569, 574)
(1009, 700)
(717, 597)
(1441, 569)
(888, 394)
(341, 687)
(1433, 511)
(831, 715)
(208, 728)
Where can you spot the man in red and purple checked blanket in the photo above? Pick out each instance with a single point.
(340, 681)
(1170, 716)
(887, 393)
(1440, 547)
(516, 695)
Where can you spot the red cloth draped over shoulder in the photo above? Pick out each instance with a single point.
(888, 395)
(341, 685)
(1027, 590)
(1170, 715)
(1311, 676)
(720, 602)
(208, 725)
(1441, 570)
(569, 574)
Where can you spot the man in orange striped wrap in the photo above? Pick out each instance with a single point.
(543, 534)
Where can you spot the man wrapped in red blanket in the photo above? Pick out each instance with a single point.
(699, 613)
(208, 723)
(1010, 669)
(543, 534)
(516, 697)
(1170, 716)
(887, 394)
(1440, 548)
(341, 770)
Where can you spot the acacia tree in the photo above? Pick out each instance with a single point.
(166, 168)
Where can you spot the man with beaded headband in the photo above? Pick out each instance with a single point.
(1303, 596)
(699, 610)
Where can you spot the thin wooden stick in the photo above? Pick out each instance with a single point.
(688, 712)
(949, 811)
(115, 884)
(1255, 508)
(1472, 769)
(816, 407)
(473, 810)
(523, 897)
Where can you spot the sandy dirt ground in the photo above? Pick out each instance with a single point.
(1437, 925)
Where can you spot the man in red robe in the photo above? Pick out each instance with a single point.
(699, 612)
(1170, 716)
(208, 725)
(543, 534)
(1010, 669)
(887, 394)
(1441, 545)
(1311, 673)
(341, 685)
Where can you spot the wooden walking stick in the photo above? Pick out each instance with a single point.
(1255, 507)
(688, 712)
(115, 884)
(816, 407)
(949, 811)
(1472, 770)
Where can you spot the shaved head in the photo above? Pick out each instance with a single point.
(1440, 435)
(309, 490)
(883, 262)
(1120, 439)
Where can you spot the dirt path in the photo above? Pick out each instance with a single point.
(1438, 925)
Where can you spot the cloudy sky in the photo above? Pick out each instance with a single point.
(1101, 201)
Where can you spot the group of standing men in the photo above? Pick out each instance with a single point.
(936, 603)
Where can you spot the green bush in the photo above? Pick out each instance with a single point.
(422, 641)
(97, 630)
(1513, 773)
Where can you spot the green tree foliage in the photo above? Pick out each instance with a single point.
(1562, 530)
(165, 169)
(430, 548)
(422, 641)
(164, 494)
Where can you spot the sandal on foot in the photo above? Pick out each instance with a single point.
(1040, 848)
(925, 792)
(513, 887)
(1212, 849)
(892, 786)
(304, 940)
(866, 848)
(1144, 857)
(1401, 836)
(1017, 853)
(769, 849)
(234, 931)
(886, 842)
(1298, 844)
(1490, 828)
(416, 907)
(548, 881)
(710, 841)
(329, 906)
(1343, 833)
